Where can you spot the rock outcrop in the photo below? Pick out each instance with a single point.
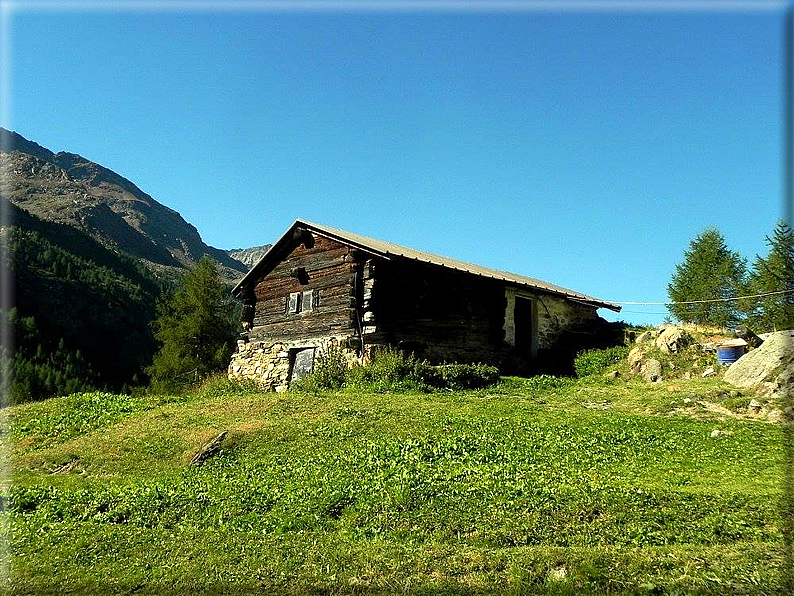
(651, 370)
(669, 352)
(672, 340)
(772, 361)
(248, 256)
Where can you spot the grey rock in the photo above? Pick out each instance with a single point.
(767, 390)
(672, 340)
(645, 336)
(709, 372)
(775, 416)
(785, 377)
(248, 256)
(558, 573)
(775, 357)
(652, 370)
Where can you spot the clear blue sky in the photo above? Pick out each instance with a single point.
(582, 147)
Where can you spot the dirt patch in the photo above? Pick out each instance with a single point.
(702, 409)
(249, 426)
(718, 409)
(71, 466)
(597, 405)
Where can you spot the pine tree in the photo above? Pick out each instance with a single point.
(196, 328)
(709, 271)
(774, 273)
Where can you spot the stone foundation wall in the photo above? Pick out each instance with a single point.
(269, 363)
(555, 315)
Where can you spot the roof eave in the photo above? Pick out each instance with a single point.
(598, 304)
(264, 259)
(279, 244)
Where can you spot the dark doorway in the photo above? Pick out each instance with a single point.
(522, 316)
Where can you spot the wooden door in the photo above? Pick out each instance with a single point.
(302, 363)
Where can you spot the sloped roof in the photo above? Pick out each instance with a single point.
(388, 250)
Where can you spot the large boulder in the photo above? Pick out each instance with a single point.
(672, 340)
(772, 359)
(652, 370)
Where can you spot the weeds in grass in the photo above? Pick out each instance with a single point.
(220, 385)
(466, 376)
(391, 370)
(59, 419)
(509, 481)
(594, 362)
(540, 383)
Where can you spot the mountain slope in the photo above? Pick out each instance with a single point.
(80, 311)
(249, 256)
(69, 189)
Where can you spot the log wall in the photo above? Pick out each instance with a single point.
(329, 268)
(445, 315)
(440, 314)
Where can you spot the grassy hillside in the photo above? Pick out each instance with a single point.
(534, 486)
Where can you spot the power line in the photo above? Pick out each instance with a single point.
(702, 301)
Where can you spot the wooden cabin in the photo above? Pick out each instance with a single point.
(319, 286)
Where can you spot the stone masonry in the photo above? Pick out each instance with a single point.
(269, 363)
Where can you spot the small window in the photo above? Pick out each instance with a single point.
(308, 300)
(293, 302)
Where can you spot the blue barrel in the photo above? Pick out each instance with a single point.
(729, 354)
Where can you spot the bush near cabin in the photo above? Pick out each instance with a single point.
(393, 370)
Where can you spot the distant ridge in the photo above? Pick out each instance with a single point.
(249, 256)
(69, 189)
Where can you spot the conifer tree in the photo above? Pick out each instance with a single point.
(196, 328)
(709, 271)
(774, 273)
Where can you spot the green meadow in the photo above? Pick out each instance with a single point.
(530, 486)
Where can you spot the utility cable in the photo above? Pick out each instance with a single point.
(701, 301)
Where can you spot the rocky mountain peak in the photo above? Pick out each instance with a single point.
(67, 188)
(249, 256)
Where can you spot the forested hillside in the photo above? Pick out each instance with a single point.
(90, 253)
(80, 313)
